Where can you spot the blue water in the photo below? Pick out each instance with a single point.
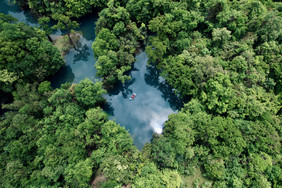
(149, 110)
(15, 11)
(79, 63)
(142, 116)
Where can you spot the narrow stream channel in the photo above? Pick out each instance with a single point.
(142, 116)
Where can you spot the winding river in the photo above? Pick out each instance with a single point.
(142, 116)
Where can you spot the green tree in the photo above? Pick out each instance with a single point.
(163, 153)
(104, 42)
(117, 168)
(6, 18)
(179, 132)
(219, 94)
(113, 18)
(89, 94)
(64, 22)
(80, 174)
(150, 176)
(26, 53)
(156, 50)
(7, 79)
(43, 24)
(221, 35)
(44, 87)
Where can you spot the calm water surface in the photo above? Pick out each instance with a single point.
(7, 7)
(142, 116)
(149, 110)
(79, 64)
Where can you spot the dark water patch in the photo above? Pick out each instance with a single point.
(64, 75)
(87, 26)
(5, 98)
(122, 88)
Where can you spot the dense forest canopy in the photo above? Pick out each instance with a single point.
(25, 54)
(223, 55)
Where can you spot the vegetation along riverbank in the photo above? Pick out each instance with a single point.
(223, 55)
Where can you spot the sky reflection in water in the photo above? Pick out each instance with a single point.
(142, 116)
(80, 62)
(149, 110)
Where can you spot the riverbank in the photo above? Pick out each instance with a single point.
(63, 42)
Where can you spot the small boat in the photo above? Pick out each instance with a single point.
(133, 96)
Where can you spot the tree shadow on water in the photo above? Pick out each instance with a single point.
(122, 88)
(64, 75)
(117, 89)
(82, 53)
(152, 78)
(87, 25)
(107, 107)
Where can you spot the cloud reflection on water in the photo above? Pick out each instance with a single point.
(145, 114)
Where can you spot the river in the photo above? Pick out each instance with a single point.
(142, 116)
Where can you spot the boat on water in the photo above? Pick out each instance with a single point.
(133, 96)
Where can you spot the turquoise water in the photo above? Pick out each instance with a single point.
(142, 116)
(15, 11)
(79, 63)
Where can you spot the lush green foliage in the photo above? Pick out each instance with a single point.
(76, 8)
(89, 94)
(224, 55)
(228, 149)
(56, 138)
(116, 42)
(49, 140)
(25, 54)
